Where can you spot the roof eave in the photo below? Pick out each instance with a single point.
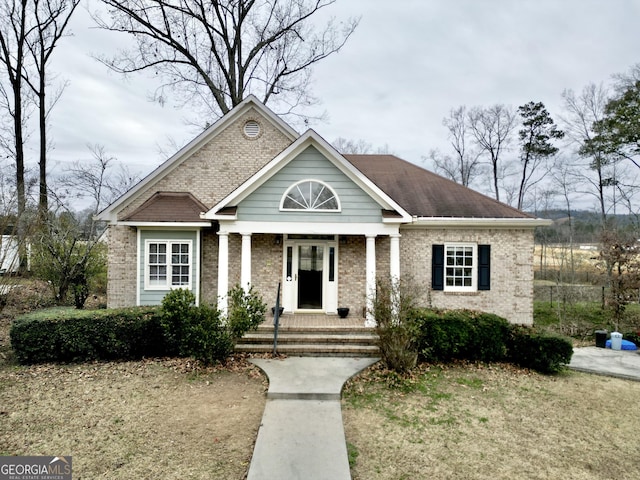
(166, 224)
(481, 222)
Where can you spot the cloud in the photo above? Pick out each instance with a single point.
(408, 63)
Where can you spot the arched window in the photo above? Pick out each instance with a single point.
(310, 195)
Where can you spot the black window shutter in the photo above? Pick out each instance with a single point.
(484, 267)
(437, 267)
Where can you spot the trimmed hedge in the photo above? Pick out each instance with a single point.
(63, 336)
(539, 351)
(178, 327)
(478, 336)
(461, 334)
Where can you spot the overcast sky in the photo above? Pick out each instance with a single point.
(408, 63)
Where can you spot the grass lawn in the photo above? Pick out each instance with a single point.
(465, 421)
(145, 420)
(171, 419)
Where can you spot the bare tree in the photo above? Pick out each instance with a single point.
(491, 128)
(67, 251)
(101, 179)
(581, 113)
(464, 165)
(14, 30)
(215, 53)
(50, 21)
(344, 145)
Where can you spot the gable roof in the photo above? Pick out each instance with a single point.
(425, 194)
(310, 137)
(168, 207)
(193, 146)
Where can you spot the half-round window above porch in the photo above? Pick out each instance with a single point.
(310, 195)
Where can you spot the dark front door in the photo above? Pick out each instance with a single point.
(310, 264)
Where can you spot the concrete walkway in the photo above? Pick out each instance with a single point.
(301, 435)
(604, 361)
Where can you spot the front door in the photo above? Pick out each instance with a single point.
(310, 282)
(310, 278)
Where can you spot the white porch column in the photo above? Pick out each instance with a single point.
(371, 278)
(245, 266)
(223, 270)
(394, 260)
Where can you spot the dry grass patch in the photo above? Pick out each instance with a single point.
(470, 421)
(146, 420)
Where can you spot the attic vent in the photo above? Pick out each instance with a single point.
(252, 129)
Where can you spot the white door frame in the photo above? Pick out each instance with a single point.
(290, 275)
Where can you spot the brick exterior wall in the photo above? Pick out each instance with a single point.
(121, 260)
(230, 158)
(511, 293)
(210, 174)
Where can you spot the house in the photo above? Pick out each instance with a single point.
(252, 202)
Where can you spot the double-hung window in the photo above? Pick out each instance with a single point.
(461, 267)
(168, 264)
(459, 271)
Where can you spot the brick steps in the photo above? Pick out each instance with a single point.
(312, 341)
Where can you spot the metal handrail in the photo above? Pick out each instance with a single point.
(276, 322)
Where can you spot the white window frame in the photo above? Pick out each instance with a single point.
(168, 283)
(474, 268)
(306, 180)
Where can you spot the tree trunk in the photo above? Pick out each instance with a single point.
(43, 200)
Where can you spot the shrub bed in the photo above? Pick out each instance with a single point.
(179, 327)
(539, 351)
(478, 336)
(64, 335)
(461, 334)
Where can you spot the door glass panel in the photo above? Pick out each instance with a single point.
(289, 263)
(332, 267)
(310, 263)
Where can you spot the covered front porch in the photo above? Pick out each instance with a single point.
(319, 271)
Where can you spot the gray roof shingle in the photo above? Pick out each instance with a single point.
(425, 194)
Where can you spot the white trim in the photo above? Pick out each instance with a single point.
(196, 268)
(138, 261)
(309, 138)
(245, 262)
(303, 228)
(474, 268)
(445, 222)
(167, 225)
(110, 213)
(290, 297)
(310, 180)
(223, 271)
(394, 256)
(168, 285)
(370, 266)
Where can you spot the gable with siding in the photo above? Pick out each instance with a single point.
(264, 203)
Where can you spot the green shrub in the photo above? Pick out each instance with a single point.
(246, 311)
(208, 338)
(201, 331)
(632, 337)
(461, 334)
(178, 310)
(88, 335)
(542, 352)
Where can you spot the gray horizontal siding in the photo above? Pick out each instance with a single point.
(154, 297)
(264, 203)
